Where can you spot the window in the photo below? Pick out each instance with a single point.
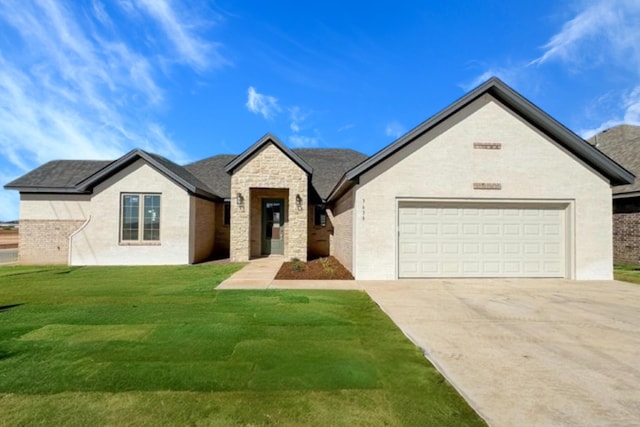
(226, 216)
(320, 216)
(140, 209)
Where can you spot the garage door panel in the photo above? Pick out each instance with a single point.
(476, 242)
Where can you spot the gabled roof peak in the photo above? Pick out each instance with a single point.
(171, 170)
(267, 139)
(519, 104)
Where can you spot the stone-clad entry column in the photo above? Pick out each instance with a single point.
(268, 173)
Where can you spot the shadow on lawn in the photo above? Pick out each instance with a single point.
(9, 307)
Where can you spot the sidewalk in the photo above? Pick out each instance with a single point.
(257, 274)
(260, 273)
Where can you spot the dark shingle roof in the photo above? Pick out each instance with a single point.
(206, 177)
(173, 171)
(211, 172)
(183, 173)
(622, 144)
(329, 164)
(58, 174)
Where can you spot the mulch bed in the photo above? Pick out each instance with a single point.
(327, 268)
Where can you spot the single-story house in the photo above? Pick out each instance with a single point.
(622, 144)
(491, 186)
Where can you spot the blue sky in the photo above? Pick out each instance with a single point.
(190, 79)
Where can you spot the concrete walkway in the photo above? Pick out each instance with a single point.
(260, 273)
(257, 274)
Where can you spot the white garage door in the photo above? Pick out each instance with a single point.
(468, 240)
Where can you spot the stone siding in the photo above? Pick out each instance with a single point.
(45, 241)
(626, 238)
(341, 243)
(268, 168)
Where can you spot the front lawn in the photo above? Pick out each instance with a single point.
(627, 273)
(158, 346)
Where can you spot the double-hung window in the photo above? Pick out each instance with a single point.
(140, 220)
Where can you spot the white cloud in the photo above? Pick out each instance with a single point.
(604, 34)
(510, 76)
(73, 87)
(192, 49)
(604, 31)
(346, 127)
(592, 21)
(100, 14)
(262, 104)
(297, 116)
(298, 141)
(394, 129)
(630, 106)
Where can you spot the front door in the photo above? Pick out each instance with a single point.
(272, 226)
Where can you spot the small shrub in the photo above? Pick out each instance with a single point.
(327, 267)
(297, 265)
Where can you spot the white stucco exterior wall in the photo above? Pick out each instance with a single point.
(341, 245)
(98, 240)
(443, 164)
(54, 206)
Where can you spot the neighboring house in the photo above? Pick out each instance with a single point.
(622, 144)
(489, 187)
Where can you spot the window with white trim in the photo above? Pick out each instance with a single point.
(140, 218)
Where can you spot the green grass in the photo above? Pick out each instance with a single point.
(159, 346)
(627, 273)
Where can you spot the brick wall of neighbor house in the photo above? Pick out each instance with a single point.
(221, 248)
(626, 231)
(202, 229)
(626, 238)
(45, 241)
(269, 168)
(318, 237)
(341, 242)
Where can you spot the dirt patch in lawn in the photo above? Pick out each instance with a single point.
(327, 268)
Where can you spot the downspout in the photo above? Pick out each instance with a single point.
(72, 235)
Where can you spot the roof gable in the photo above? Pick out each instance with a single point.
(609, 169)
(174, 172)
(267, 139)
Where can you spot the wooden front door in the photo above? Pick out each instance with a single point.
(272, 226)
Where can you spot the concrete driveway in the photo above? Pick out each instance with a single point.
(528, 352)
